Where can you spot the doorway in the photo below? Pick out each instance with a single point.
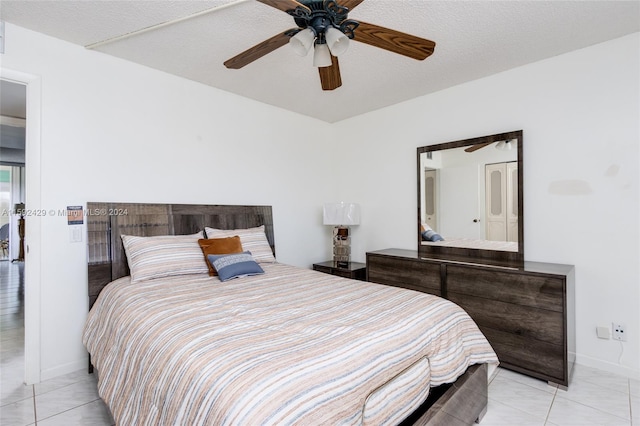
(31, 86)
(12, 192)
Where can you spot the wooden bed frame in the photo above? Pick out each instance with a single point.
(460, 403)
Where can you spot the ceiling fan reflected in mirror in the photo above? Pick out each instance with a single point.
(324, 25)
(505, 145)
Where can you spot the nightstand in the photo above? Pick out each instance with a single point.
(355, 270)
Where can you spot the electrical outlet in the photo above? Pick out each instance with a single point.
(619, 332)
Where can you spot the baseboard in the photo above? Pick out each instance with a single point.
(61, 370)
(619, 369)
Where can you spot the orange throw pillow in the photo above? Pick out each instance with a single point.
(219, 246)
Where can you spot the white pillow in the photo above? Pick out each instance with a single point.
(252, 239)
(163, 256)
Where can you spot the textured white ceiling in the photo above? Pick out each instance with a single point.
(473, 39)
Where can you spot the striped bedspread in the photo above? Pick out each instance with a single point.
(292, 346)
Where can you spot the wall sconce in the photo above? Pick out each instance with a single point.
(341, 216)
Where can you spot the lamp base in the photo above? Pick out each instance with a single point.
(341, 246)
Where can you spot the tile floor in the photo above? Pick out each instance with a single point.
(594, 397)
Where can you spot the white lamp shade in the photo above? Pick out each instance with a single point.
(302, 42)
(341, 214)
(321, 56)
(337, 42)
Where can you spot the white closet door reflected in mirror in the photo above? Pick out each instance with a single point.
(501, 191)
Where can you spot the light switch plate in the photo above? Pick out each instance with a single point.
(75, 234)
(603, 332)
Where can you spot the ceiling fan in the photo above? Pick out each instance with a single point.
(502, 145)
(324, 25)
(476, 147)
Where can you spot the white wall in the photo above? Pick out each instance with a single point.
(580, 116)
(115, 131)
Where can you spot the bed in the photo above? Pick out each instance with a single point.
(285, 346)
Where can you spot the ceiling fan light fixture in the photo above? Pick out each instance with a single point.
(302, 42)
(504, 145)
(325, 25)
(321, 56)
(337, 41)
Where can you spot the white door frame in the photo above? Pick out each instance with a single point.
(32, 275)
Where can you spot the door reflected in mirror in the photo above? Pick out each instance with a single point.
(470, 197)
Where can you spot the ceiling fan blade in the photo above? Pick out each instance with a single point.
(350, 4)
(394, 41)
(477, 146)
(285, 5)
(258, 51)
(330, 76)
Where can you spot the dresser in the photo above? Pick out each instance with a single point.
(526, 310)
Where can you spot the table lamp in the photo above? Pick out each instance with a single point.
(341, 216)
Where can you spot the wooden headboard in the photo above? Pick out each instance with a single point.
(106, 222)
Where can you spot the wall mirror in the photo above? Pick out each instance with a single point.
(470, 198)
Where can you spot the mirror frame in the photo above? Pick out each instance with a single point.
(434, 251)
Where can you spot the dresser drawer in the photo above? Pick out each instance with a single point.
(523, 321)
(406, 273)
(538, 359)
(347, 274)
(354, 270)
(322, 268)
(536, 291)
